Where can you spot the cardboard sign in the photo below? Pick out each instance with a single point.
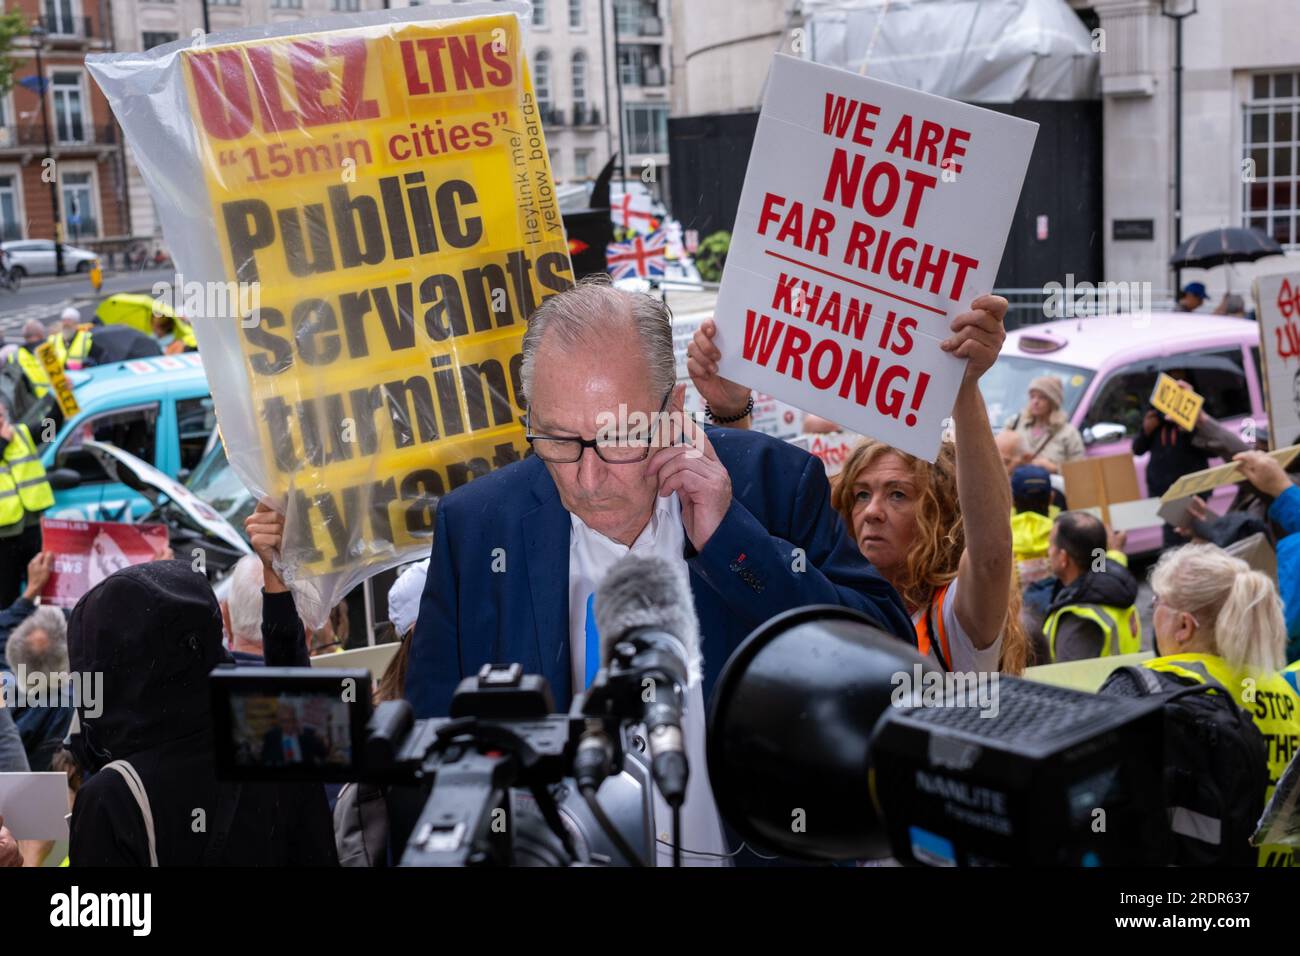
(870, 217)
(1100, 482)
(1180, 405)
(59, 383)
(86, 552)
(1277, 306)
(35, 804)
(1210, 478)
(384, 184)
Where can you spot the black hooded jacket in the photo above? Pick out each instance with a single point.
(154, 632)
(1076, 638)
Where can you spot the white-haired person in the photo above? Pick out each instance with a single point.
(242, 610)
(1217, 620)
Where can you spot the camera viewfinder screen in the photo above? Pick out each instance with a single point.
(296, 729)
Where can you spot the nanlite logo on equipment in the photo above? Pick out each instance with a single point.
(102, 909)
(978, 798)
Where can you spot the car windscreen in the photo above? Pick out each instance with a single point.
(217, 484)
(1006, 385)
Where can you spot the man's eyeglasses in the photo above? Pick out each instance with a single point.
(613, 450)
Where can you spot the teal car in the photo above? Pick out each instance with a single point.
(158, 409)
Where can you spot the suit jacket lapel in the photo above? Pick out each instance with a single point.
(546, 538)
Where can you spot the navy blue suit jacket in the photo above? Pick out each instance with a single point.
(471, 615)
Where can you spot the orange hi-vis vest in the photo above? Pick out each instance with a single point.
(932, 619)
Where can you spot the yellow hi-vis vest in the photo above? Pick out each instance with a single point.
(33, 369)
(1272, 704)
(72, 357)
(22, 478)
(1120, 627)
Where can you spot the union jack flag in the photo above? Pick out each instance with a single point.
(642, 257)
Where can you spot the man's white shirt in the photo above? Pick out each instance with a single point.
(591, 555)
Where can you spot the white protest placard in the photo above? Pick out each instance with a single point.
(870, 217)
(1277, 306)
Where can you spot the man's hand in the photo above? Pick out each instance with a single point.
(1150, 421)
(1263, 472)
(38, 573)
(725, 397)
(265, 530)
(694, 472)
(10, 855)
(1115, 540)
(1046, 464)
(978, 335)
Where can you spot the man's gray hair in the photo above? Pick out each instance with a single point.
(588, 315)
(244, 599)
(49, 656)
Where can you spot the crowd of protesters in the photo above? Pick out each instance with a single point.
(975, 559)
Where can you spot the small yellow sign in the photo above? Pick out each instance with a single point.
(1180, 405)
(59, 383)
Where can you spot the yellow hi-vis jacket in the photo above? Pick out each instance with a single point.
(1272, 704)
(33, 369)
(23, 487)
(1120, 627)
(72, 357)
(1030, 535)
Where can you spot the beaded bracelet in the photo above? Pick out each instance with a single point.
(728, 419)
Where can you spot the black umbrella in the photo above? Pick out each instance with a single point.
(1217, 247)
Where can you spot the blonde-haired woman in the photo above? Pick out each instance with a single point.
(1216, 619)
(1046, 429)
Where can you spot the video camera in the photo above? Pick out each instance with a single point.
(493, 784)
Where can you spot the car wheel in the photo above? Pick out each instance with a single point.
(83, 265)
(18, 272)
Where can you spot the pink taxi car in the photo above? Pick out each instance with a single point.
(1109, 366)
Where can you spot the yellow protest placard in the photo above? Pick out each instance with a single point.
(1180, 405)
(59, 383)
(389, 193)
(1230, 473)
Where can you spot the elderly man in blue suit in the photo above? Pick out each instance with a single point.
(518, 553)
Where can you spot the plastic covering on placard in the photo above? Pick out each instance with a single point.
(362, 217)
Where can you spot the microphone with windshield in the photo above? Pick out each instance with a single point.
(650, 652)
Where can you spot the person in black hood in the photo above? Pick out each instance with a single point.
(154, 632)
(1092, 613)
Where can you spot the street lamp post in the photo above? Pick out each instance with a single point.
(38, 34)
(1178, 19)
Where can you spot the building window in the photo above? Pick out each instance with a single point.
(59, 18)
(10, 226)
(224, 3)
(637, 18)
(345, 6)
(582, 163)
(647, 127)
(539, 13)
(1272, 199)
(286, 4)
(575, 14)
(542, 81)
(580, 81)
(639, 66)
(153, 39)
(79, 205)
(69, 120)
